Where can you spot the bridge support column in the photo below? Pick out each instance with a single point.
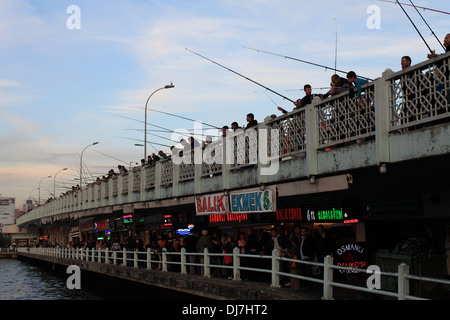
(382, 118)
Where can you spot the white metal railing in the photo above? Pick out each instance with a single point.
(152, 260)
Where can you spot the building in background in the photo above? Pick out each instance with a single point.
(7, 211)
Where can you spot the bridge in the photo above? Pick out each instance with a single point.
(311, 150)
(375, 162)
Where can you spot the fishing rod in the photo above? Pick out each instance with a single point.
(185, 118)
(304, 61)
(431, 51)
(159, 144)
(335, 48)
(166, 130)
(319, 88)
(424, 8)
(432, 32)
(109, 156)
(240, 75)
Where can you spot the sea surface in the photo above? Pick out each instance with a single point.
(23, 280)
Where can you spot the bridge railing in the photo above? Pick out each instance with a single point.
(420, 94)
(275, 266)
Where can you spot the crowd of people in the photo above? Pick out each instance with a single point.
(300, 244)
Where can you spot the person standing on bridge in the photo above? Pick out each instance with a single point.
(306, 254)
(201, 245)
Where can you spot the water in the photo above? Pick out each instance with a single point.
(22, 280)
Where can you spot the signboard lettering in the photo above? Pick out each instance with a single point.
(211, 204)
(253, 201)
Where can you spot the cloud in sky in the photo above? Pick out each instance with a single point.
(62, 89)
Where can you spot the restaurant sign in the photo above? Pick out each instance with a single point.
(211, 204)
(253, 201)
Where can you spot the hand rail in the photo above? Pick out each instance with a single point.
(135, 259)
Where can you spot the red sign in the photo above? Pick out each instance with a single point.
(289, 214)
(101, 225)
(229, 217)
(211, 204)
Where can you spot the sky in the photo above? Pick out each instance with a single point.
(80, 71)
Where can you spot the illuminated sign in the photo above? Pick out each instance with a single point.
(211, 204)
(350, 255)
(252, 201)
(327, 215)
(229, 217)
(101, 225)
(167, 220)
(333, 214)
(289, 214)
(128, 218)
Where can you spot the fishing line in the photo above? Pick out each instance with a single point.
(304, 61)
(240, 75)
(432, 32)
(431, 51)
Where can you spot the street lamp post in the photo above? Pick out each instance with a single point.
(40, 188)
(54, 182)
(145, 130)
(81, 163)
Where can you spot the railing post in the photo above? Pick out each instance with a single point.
(207, 271)
(236, 265)
(183, 261)
(327, 278)
(403, 282)
(164, 260)
(312, 139)
(149, 258)
(114, 257)
(275, 267)
(124, 257)
(107, 255)
(135, 259)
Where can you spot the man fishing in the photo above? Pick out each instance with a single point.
(307, 99)
(446, 45)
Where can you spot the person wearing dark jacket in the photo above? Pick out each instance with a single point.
(306, 254)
